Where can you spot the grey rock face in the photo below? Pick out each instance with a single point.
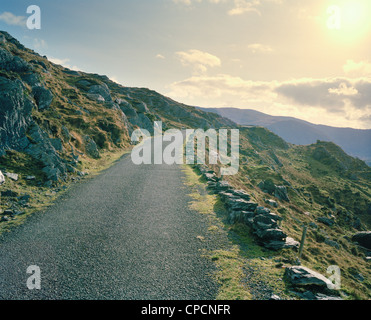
(140, 106)
(43, 97)
(128, 109)
(363, 238)
(272, 203)
(9, 62)
(42, 149)
(31, 79)
(91, 147)
(96, 97)
(66, 134)
(280, 192)
(101, 90)
(15, 114)
(57, 144)
(303, 276)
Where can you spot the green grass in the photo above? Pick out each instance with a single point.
(42, 197)
(236, 251)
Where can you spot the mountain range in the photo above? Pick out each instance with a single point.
(356, 142)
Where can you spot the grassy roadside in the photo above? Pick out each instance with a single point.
(244, 270)
(41, 197)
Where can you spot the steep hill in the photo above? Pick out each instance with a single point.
(58, 116)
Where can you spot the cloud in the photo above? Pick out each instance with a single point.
(333, 101)
(64, 63)
(244, 6)
(13, 20)
(190, 2)
(159, 56)
(361, 68)
(198, 60)
(259, 48)
(39, 44)
(239, 7)
(343, 90)
(247, 6)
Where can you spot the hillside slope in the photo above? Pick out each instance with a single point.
(355, 142)
(56, 125)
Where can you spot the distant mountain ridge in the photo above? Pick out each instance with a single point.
(356, 142)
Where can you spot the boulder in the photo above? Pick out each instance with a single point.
(280, 193)
(332, 243)
(9, 62)
(211, 177)
(2, 178)
(363, 239)
(223, 186)
(43, 97)
(41, 148)
(32, 79)
(242, 194)
(271, 234)
(127, 108)
(288, 243)
(264, 222)
(239, 204)
(102, 90)
(262, 210)
(300, 276)
(267, 186)
(12, 176)
(91, 147)
(84, 82)
(271, 203)
(327, 221)
(96, 97)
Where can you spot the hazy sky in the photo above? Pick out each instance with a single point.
(282, 57)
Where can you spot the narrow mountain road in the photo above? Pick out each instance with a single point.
(125, 234)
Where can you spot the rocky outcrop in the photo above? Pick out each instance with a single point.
(310, 284)
(303, 276)
(43, 97)
(280, 192)
(327, 221)
(91, 147)
(363, 239)
(9, 62)
(264, 223)
(2, 178)
(15, 114)
(40, 148)
(101, 90)
(12, 176)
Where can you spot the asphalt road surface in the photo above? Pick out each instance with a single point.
(126, 234)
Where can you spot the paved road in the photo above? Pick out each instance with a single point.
(126, 234)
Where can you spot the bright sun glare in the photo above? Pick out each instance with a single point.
(350, 18)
